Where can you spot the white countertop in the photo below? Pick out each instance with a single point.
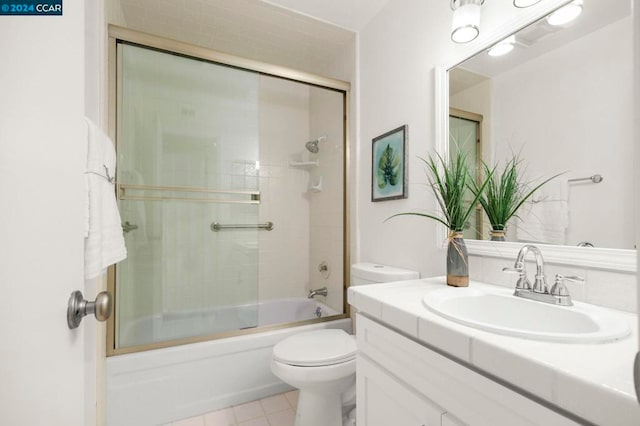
(593, 381)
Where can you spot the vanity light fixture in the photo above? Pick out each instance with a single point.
(566, 13)
(466, 20)
(524, 3)
(503, 47)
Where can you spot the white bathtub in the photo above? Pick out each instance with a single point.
(173, 326)
(160, 386)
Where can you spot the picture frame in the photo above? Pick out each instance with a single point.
(389, 165)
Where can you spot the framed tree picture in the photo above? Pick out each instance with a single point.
(389, 165)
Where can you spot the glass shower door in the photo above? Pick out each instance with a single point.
(187, 143)
(464, 136)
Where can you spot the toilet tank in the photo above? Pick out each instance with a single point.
(371, 273)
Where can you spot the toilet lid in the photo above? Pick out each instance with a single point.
(316, 348)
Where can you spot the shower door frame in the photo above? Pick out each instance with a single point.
(124, 35)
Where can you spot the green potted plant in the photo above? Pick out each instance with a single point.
(449, 182)
(502, 194)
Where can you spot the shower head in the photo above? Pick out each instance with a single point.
(312, 146)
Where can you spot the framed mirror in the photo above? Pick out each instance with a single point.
(560, 99)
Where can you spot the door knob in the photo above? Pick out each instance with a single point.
(78, 307)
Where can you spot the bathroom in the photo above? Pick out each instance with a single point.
(388, 51)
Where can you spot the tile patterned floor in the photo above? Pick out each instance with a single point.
(277, 410)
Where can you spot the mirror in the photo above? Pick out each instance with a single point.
(562, 99)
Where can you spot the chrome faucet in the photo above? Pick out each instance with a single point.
(318, 292)
(523, 283)
(558, 295)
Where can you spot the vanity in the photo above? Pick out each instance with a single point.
(416, 367)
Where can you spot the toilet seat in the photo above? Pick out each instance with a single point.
(316, 348)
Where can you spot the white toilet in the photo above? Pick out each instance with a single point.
(322, 363)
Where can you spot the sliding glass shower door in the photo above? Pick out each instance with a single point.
(187, 166)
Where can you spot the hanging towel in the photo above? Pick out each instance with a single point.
(104, 241)
(545, 216)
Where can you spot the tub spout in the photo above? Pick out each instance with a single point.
(318, 292)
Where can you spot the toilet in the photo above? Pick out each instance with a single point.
(322, 363)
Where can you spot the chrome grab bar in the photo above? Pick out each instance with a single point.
(215, 226)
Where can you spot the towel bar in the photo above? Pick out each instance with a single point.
(594, 179)
(250, 197)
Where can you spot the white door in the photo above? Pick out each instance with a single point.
(636, 46)
(42, 104)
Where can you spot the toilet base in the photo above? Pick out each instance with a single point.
(319, 409)
(349, 416)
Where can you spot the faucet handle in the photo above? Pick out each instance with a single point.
(513, 270)
(523, 282)
(559, 288)
(518, 268)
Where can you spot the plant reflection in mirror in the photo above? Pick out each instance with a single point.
(502, 193)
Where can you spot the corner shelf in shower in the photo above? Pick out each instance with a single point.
(307, 165)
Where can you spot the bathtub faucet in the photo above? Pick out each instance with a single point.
(318, 292)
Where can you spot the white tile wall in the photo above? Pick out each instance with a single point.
(326, 207)
(611, 289)
(308, 225)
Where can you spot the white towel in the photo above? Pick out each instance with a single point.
(104, 241)
(545, 216)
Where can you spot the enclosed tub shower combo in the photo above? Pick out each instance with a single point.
(231, 186)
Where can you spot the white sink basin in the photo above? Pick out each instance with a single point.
(499, 311)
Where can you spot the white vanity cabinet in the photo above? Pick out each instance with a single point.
(383, 400)
(402, 382)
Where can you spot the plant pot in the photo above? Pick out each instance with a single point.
(498, 234)
(457, 261)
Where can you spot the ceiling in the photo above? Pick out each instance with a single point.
(349, 14)
(301, 34)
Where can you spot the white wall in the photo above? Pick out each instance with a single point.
(575, 114)
(398, 51)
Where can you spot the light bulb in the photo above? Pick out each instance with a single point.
(503, 47)
(524, 3)
(565, 14)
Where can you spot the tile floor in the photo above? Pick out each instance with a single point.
(277, 410)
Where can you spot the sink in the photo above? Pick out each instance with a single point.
(499, 311)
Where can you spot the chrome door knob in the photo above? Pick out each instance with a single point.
(78, 308)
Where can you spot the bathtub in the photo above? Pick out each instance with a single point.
(177, 325)
(163, 385)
